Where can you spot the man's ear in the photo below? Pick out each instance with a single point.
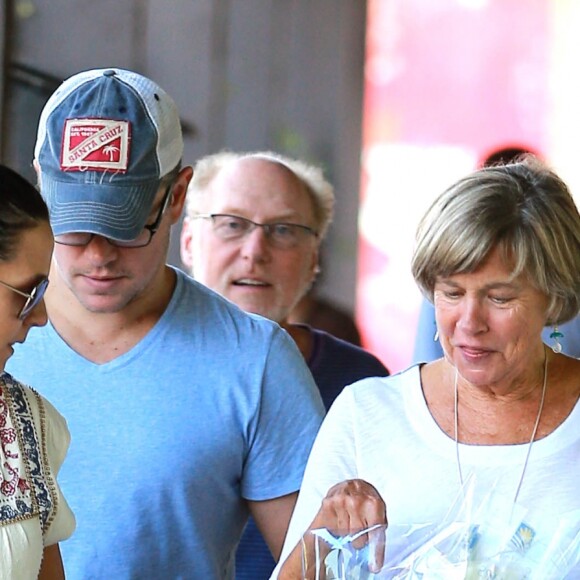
(179, 193)
(185, 242)
(315, 265)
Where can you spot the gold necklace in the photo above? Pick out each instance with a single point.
(532, 438)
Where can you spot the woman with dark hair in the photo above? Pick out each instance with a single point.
(34, 438)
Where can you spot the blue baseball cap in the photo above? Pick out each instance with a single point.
(106, 138)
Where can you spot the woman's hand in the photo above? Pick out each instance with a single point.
(348, 508)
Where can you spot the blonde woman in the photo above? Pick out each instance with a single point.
(498, 254)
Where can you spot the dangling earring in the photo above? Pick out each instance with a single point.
(436, 337)
(556, 335)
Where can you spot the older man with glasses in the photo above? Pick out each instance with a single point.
(252, 232)
(177, 401)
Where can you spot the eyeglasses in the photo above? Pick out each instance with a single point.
(32, 299)
(142, 240)
(235, 227)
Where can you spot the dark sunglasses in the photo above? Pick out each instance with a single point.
(32, 299)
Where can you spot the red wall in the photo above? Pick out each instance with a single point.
(446, 82)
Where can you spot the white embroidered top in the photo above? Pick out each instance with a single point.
(34, 439)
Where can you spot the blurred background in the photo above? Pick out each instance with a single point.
(394, 98)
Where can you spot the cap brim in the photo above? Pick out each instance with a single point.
(116, 211)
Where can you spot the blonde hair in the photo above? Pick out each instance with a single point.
(522, 208)
(311, 176)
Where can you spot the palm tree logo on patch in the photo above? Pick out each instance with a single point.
(111, 151)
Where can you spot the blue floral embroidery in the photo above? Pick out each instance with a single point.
(22, 495)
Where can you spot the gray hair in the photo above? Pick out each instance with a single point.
(522, 208)
(319, 189)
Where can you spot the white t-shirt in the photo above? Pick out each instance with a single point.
(381, 430)
(34, 439)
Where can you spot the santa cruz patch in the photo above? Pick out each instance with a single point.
(97, 144)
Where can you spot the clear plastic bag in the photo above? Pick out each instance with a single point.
(490, 539)
(338, 555)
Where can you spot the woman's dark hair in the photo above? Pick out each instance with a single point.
(21, 208)
(507, 154)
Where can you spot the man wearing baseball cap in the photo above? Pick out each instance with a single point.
(186, 414)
